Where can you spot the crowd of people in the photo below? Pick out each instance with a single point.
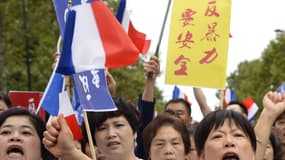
(134, 132)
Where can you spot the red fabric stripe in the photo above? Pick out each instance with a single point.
(74, 127)
(139, 39)
(186, 99)
(248, 102)
(120, 50)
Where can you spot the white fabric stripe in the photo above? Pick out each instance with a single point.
(227, 96)
(252, 111)
(181, 95)
(87, 48)
(126, 18)
(65, 106)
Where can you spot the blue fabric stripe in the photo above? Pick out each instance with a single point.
(233, 95)
(65, 65)
(281, 88)
(51, 99)
(121, 9)
(175, 93)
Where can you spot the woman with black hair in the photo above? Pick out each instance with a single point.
(114, 133)
(166, 137)
(21, 134)
(225, 134)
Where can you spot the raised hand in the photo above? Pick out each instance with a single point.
(58, 138)
(152, 67)
(274, 103)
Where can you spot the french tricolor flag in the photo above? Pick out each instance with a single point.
(55, 101)
(138, 38)
(93, 38)
(177, 93)
(229, 95)
(252, 108)
(66, 109)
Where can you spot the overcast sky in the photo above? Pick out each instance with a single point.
(252, 26)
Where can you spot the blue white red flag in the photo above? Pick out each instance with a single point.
(281, 88)
(93, 38)
(50, 99)
(93, 91)
(177, 93)
(229, 95)
(56, 101)
(61, 7)
(252, 108)
(138, 38)
(66, 109)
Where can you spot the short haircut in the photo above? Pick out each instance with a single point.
(180, 100)
(216, 119)
(241, 105)
(165, 119)
(124, 108)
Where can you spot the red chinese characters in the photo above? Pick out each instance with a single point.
(187, 17)
(212, 9)
(181, 61)
(187, 39)
(211, 55)
(185, 42)
(211, 35)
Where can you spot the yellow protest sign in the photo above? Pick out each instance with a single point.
(198, 43)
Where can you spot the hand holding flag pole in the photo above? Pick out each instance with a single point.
(156, 53)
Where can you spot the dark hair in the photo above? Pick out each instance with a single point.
(276, 146)
(241, 105)
(180, 100)
(6, 99)
(216, 119)
(124, 108)
(37, 122)
(165, 119)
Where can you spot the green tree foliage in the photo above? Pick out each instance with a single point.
(39, 39)
(255, 78)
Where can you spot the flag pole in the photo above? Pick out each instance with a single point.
(150, 74)
(162, 28)
(89, 136)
